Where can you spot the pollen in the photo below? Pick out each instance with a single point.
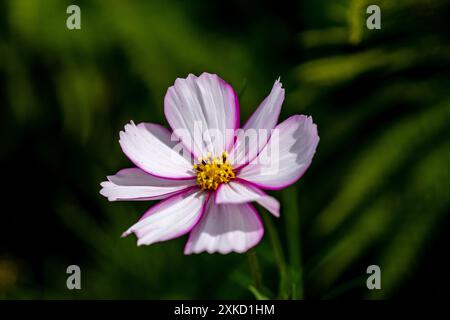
(211, 172)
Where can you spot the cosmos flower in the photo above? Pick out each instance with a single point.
(206, 172)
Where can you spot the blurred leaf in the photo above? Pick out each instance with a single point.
(257, 294)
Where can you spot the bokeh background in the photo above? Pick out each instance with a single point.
(376, 193)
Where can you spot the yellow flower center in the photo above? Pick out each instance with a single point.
(211, 172)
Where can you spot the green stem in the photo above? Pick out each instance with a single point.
(293, 223)
(279, 257)
(254, 269)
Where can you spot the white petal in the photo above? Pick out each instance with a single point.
(256, 131)
(149, 146)
(170, 218)
(242, 192)
(271, 204)
(136, 184)
(225, 228)
(286, 156)
(200, 110)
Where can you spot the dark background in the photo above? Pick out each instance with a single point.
(377, 191)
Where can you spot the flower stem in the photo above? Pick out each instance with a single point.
(254, 269)
(279, 257)
(293, 227)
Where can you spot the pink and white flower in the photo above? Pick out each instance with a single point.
(210, 196)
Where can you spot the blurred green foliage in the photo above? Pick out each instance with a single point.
(376, 193)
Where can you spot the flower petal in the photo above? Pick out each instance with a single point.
(241, 191)
(136, 184)
(200, 110)
(256, 131)
(225, 228)
(170, 218)
(286, 156)
(149, 146)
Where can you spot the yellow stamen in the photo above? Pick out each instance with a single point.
(211, 172)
